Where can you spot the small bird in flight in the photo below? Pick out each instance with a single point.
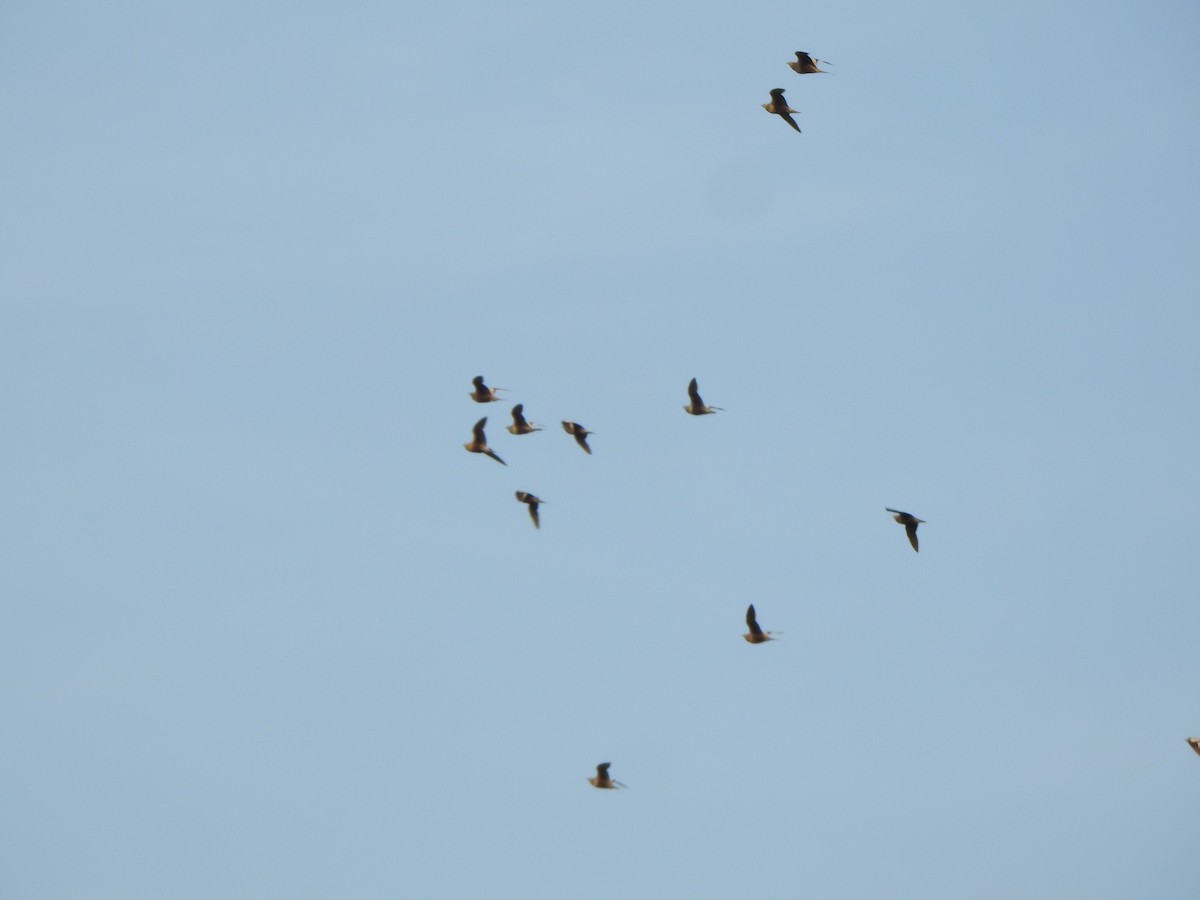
(533, 506)
(779, 107)
(601, 780)
(519, 425)
(580, 433)
(478, 443)
(1194, 743)
(805, 64)
(756, 635)
(697, 407)
(483, 393)
(910, 523)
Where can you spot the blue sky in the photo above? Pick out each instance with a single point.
(269, 631)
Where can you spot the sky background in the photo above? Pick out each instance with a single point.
(269, 632)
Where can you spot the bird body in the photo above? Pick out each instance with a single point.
(580, 434)
(696, 407)
(910, 523)
(779, 107)
(478, 442)
(519, 425)
(483, 393)
(756, 635)
(1194, 743)
(805, 64)
(533, 502)
(602, 779)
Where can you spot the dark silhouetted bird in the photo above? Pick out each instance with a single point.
(601, 779)
(483, 393)
(519, 425)
(580, 433)
(910, 523)
(805, 64)
(779, 107)
(478, 442)
(756, 635)
(533, 506)
(696, 407)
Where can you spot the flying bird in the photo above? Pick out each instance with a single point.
(580, 433)
(483, 393)
(1194, 743)
(756, 635)
(519, 425)
(778, 107)
(601, 780)
(805, 64)
(478, 443)
(697, 407)
(533, 506)
(910, 523)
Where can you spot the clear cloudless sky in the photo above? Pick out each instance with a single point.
(268, 631)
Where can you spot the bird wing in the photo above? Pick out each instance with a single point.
(492, 453)
(517, 414)
(694, 393)
(478, 430)
(752, 621)
(785, 115)
(911, 529)
(533, 514)
(581, 440)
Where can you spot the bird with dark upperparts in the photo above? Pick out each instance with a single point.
(779, 107)
(756, 635)
(602, 780)
(580, 433)
(519, 425)
(483, 393)
(533, 502)
(696, 407)
(910, 523)
(478, 442)
(806, 65)
(1194, 743)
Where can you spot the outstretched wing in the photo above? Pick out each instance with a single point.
(518, 414)
(478, 430)
(911, 529)
(694, 394)
(752, 621)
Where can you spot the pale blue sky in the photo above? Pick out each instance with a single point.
(269, 632)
